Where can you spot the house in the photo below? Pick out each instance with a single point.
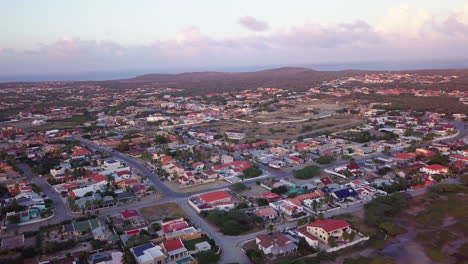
(81, 228)
(345, 193)
(434, 169)
(185, 234)
(79, 153)
(323, 229)
(404, 156)
(234, 134)
(215, 197)
(270, 197)
(287, 207)
(275, 244)
(175, 249)
(424, 152)
(149, 254)
(267, 213)
(462, 159)
(310, 239)
(174, 225)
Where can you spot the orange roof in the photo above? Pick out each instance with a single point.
(214, 196)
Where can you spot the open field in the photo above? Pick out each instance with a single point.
(196, 188)
(287, 131)
(161, 211)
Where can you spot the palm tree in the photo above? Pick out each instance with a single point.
(314, 205)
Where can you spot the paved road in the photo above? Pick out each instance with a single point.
(230, 246)
(60, 210)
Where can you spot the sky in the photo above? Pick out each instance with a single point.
(59, 36)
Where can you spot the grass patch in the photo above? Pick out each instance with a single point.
(453, 204)
(307, 172)
(190, 244)
(232, 223)
(433, 242)
(161, 211)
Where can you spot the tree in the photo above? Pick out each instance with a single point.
(307, 172)
(252, 172)
(314, 205)
(14, 219)
(207, 257)
(303, 247)
(270, 228)
(332, 241)
(262, 202)
(325, 159)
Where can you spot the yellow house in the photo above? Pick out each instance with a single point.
(323, 229)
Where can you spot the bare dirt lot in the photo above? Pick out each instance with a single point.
(161, 211)
(196, 188)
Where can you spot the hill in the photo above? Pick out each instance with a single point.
(296, 79)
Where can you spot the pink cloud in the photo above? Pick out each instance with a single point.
(251, 23)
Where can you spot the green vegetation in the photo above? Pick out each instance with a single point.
(159, 139)
(207, 257)
(255, 255)
(239, 187)
(262, 202)
(251, 173)
(190, 244)
(232, 223)
(280, 190)
(13, 219)
(368, 260)
(433, 241)
(444, 200)
(381, 211)
(325, 159)
(307, 172)
(54, 247)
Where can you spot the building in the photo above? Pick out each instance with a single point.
(235, 135)
(215, 197)
(175, 249)
(275, 244)
(149, 254)
(323, 229)
(310, 239)
(267, 213)
(435, 169)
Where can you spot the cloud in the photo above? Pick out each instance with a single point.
(403, 34)
(251, 23)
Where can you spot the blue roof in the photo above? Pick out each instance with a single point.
(111, 161)
(345, 193)
(139, 250)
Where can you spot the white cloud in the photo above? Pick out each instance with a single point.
(404, 33)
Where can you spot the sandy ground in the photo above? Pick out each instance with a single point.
(176, 186)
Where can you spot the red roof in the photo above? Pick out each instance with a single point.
(129, 214)
(174, 226)
(326, 180)
(80, 151)
(174, 244)
(330, 225)
(270, 196)
(214, 196)
(436, 167)
(353, 166)
(303, 231)
(96, 177)
(403, 156)
(120, 173)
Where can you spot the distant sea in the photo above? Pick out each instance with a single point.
(114, 75)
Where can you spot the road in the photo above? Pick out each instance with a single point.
(230, 246)
(60, 210)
